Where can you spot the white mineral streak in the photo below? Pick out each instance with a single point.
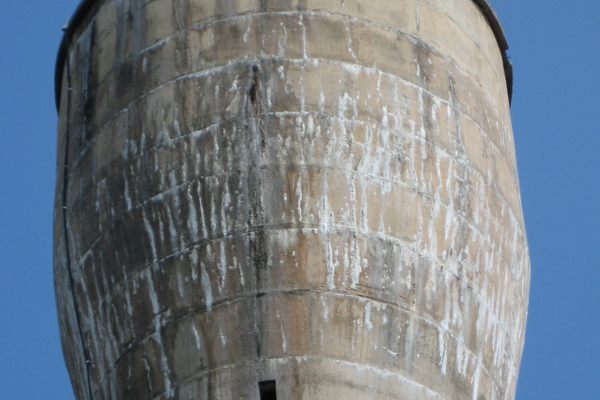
(126, 195)
(197, 337)
(325, 309)
(358, 264)
(151, 238)
(409, 340)
(237, 266)
(225, 204)
(282, 41)
(157, 335)
(194, 264)
(180, 284)
(203, 224)
(282, 330)
(304, 40)
(214, 221)
(93, 328)
(206, 286)
(148, 373)
(443, 349)
(384, 135)
(173, 234)
(222, 265)
(129, 305)
(281, 71)
(462, 359)
(477, 378)
(368, 321)
(350, 46)
(192, 220)
(161, 230)
(299, 196)
(248, 31)
(325, 223)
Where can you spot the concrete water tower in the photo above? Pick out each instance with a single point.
(288, 199)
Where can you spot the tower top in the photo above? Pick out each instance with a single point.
(85, 6)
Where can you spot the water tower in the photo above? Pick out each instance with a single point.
(288, 199)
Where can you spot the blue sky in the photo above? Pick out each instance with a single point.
(556, 117)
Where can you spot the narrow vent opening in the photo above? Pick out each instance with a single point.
(268, 390)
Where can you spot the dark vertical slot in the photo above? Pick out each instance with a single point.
(267, 390)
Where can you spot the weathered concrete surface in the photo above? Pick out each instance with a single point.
(318, 192)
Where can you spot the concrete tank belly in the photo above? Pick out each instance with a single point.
(288, 199)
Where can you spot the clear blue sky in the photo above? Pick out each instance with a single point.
(555, 46)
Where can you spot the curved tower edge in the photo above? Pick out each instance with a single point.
(82, 11)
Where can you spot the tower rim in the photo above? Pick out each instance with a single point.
(85, 6)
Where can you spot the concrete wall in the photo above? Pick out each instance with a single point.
(318, 192)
